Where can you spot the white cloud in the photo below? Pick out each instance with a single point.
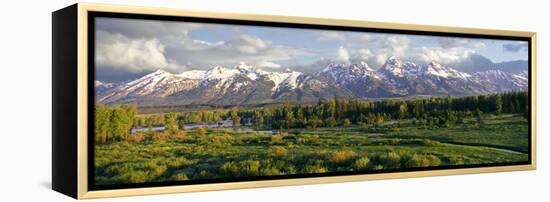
(136, 55)
(450, 50)
(144, 45)
(380, 59)
(343, 54)
(443, 55)
(382, 46)
(374, 49)
(249, 44)
(267, 64)
(252, 49)
(346, 55)
(453, 42)
(397, 44)
(330, 35)
(169, 32)
(206, 43)
(364, 54)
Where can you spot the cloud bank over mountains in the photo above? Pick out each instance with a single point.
(128, 48)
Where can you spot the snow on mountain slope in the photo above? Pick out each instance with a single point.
(343, 73)
(409, 78)
(499, 81)
(247, 84)
(216, 81)
(436, 69)
(101, 87)
(159, 84)
(102, 84)
(394, 67)
(398, 68)
(192, 74)
(360, 79)
(287, 78)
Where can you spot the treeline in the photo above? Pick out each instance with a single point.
(435, 110)
(182, 118)
(114, 123)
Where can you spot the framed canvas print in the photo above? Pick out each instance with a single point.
(151, 101)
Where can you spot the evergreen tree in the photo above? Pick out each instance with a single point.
(498, 104)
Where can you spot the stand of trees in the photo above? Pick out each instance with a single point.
(444, 111)
(182, 118)
(114, 123)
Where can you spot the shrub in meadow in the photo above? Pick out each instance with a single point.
(277, 139)
(276, 151)
(137, 137)
(315, 167)
(180, 177)
(309, 140)
(342, 157)
(181, 136)
(249, 168)
(390, 160)
(361, 163)
(417, 160)
(160, 136)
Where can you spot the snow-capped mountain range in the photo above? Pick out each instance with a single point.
(244, 84)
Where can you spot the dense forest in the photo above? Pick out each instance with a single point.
(113, 123)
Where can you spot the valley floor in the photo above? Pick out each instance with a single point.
(221, 153)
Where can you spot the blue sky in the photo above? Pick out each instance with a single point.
(308, 38)
(140, 46)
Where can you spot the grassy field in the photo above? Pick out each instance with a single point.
(220, 153)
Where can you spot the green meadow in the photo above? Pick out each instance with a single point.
(223, 152)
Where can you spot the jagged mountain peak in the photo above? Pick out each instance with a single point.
(244, 83)
(436, 65)
(153, 77)
(394, 67)
(392, 62)
(392, 59)
(218, 69)
(365, 65)
(437, 69)
(160, 72)
(348, 74)
(361, 66)
(242, 66)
